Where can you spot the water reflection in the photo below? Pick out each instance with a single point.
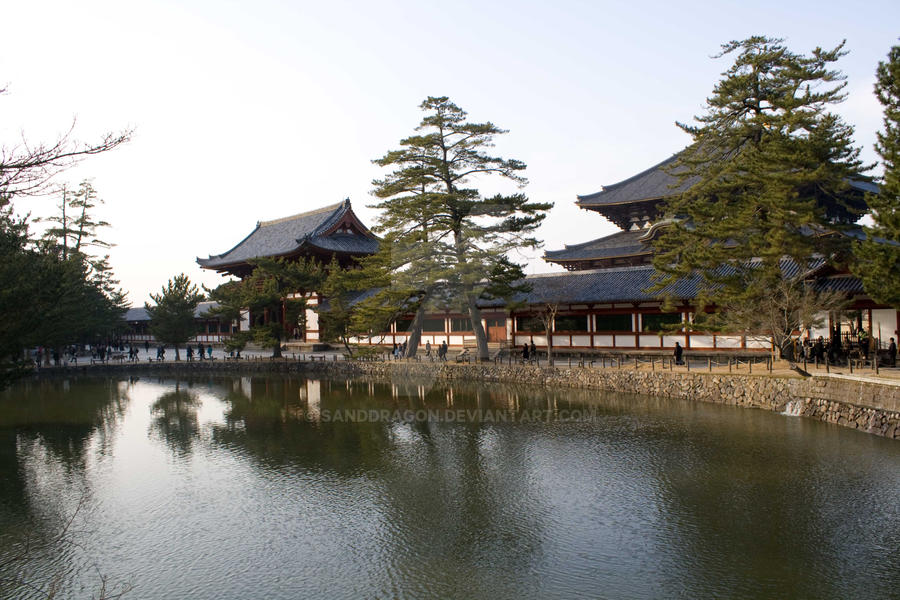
(252, 487)
(175, 419)
(49, 433)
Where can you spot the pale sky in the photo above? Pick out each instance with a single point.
(249, 111)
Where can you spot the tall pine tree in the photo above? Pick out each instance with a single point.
(769, 170)
(878, 263)
(446, 241)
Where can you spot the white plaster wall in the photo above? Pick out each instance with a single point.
(312, 319)
(560, 341)
(728, 341)
(701, 341)
(649, 341)
(822, 330)
(625, 341)
(669, 340)
(884, 324)
(581, 340)
(603, 340)
(539, 340)
(758, 344)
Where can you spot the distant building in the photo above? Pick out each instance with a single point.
(209, 330)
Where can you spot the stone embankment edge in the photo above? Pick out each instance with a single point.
(865, 406)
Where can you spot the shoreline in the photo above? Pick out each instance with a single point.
(855, 402)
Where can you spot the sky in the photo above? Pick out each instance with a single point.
(251, 111)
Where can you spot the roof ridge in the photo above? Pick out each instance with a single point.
(583, 244)
(329, 208)
(612, 186)
(591, 271)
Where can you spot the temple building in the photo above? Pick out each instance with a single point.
(601, 303)
(333, 231)
(633, 205)
(608, 302)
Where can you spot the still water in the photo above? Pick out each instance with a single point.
(289, 488)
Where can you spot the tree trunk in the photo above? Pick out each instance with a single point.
(415, 334)
(549, 344)
(276, 350)
(177, 356)
(346, 341)
(477, 327)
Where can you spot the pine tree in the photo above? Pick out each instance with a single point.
(274, 295)
(445, 241)
(769, 170)
(172, 318)
(878, 263)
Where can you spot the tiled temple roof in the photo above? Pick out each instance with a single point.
(282, 237)
(139, 313)
(622, 243)
(623, 284)
(653, 183)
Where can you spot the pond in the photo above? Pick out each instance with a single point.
(279, 487)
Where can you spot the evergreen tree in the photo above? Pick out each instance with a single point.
(47, 301)
(172, 319)
(769, 171)
(337, 320)
(275, 296)
(878, 262)
(445, 241)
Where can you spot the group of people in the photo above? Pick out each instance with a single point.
(399, 350)
(200, 351)
(529, 351)
(835, 349)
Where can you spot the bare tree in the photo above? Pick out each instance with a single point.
(789, 306)
(26, 167)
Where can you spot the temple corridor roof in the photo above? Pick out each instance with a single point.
(621, 243)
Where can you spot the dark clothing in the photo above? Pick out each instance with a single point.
(679, 354)
(892, 352)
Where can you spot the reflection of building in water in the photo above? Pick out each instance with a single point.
(313, 399)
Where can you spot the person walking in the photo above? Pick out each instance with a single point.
(679, 354)
(892, 352)
(525, 352)
(209, 352)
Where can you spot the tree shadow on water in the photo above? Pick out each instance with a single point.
(175, 420)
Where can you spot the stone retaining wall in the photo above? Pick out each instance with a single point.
(870, 407)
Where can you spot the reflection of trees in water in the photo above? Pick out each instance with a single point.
(453, 496)
(269, 420)
(64, 416)
(175, 419)
(56, 418)
(47, 429)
